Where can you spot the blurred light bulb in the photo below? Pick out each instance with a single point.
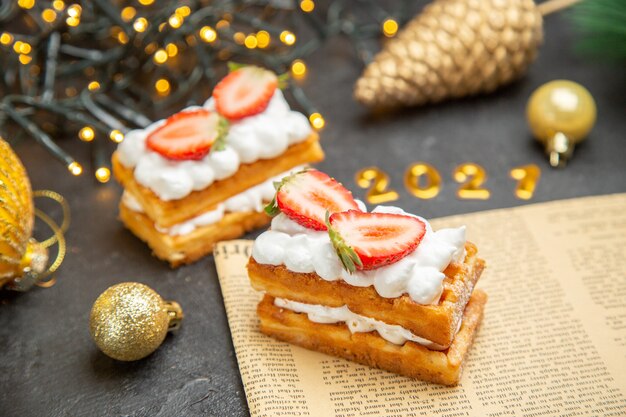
(160, 56)
(317, 121)
(86, 134)
(239, 37)
(287, 37)
(263, 39)
(59, 5)
(6, 38)
(184, 11)
(116, 136)
(250, 42)
(298, 68)
(390, 28)
(162, 86)
(128, 13)
(207, 34)
(171, 49)
(74, 11)
(140, 25)
(103, 174)
(175, 21)
(75, 168)
(307, 6)
(26, 4)
(49, 15)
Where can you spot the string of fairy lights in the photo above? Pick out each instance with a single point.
(103, 66)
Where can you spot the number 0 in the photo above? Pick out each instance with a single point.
(413, 180)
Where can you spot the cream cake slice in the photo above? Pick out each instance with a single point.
(185, 170)
(381, 288)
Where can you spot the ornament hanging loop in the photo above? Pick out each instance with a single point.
(175, 314)
(58, 238)
(65, 222)
(559, 149)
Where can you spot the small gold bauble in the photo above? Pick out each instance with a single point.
(561, 114)
(129, 321)
(22, 259)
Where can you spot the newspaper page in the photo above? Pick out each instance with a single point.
(552, 342)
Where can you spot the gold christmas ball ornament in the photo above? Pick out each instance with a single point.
(22, 259)
(130, 320)
(454, 48)
(560, 114)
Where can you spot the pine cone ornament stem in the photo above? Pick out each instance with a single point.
(454, 48)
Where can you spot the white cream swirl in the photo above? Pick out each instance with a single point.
(419, 274)
(253, 199)
(357, 323)
(263, 136)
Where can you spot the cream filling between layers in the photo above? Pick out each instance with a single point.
(419, 274)
(357, 323)
(253, 199)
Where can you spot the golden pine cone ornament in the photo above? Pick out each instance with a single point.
(21, 257)
(454, 48)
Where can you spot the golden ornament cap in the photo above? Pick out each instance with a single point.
(130, 320)
(560, 114)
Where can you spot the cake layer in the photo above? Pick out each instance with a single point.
(169, 213)
(409, 359)
(437, 323)
(187, 248)
(356, 323)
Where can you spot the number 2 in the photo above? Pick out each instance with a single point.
(378, 192)
(472, 177)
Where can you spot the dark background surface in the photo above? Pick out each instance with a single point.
(48, 363)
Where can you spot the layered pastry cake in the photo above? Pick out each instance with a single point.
(205, 173)
(380, 288)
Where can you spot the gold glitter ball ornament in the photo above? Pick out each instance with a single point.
(22, 258)
(561, 114)
(130, 320)
(454, 48)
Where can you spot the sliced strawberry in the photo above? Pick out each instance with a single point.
(306, 196)
(365, 241)
(244, 92)
(188, 135)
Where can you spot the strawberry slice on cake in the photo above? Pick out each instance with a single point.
(365, 241)
(189, 135)
(306, 197)
(245, 92)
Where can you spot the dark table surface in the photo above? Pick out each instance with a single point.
(48, 363)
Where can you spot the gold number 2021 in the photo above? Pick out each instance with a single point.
(424, 181)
